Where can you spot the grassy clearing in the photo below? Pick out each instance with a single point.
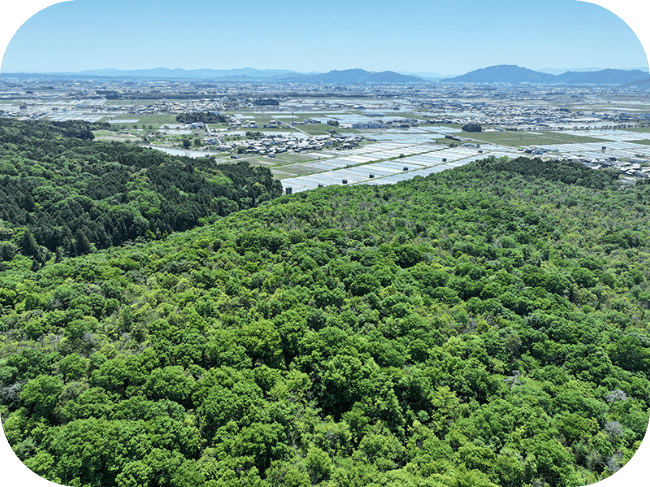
(643, 142)
(261, 162)
(260, 118)
(117, 138)
(103, 133)
(320, 128)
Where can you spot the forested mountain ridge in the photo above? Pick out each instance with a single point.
(483, 326)
(70, 191)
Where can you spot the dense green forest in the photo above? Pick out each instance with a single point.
(204, 117)
(484, 326)
(62, 192)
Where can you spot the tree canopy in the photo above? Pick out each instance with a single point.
(484, 326)
(472, 127)
(63, 192)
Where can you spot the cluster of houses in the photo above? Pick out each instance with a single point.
(634, 166)
(631, 167)
(247, 124)
(634, 169)
(239, 124)
(403, 123)
(277, 143)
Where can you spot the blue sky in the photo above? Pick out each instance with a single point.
(450, 37)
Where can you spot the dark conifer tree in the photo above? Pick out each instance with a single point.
(82, 243)
(68, 249)
(29, 203)
(28, 244)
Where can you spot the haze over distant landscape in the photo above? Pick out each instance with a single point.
(333, 36)
(508, 74)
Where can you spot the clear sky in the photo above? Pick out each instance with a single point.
(445, 37)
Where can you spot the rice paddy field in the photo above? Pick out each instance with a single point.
(522, 139)
(156, 120)
(386, 156)
(401, 155)
(395, 155)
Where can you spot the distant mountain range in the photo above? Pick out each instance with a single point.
(187, 73)
(639, 82)
(509, 73)
(335, 77)
(562, 70)
(244, 74)
(505, 73)
(355, 76)
(579, 70)
(429, 75)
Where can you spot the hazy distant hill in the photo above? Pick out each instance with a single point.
(428, 75)
(557, 71)
(645, 82)
(603, 77)
(188, 73)
(507, 73)
(356, 76)
(342, 77)
(504, 73)
(392, 77)
(581, 70)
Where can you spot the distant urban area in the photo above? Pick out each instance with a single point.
(355, 127)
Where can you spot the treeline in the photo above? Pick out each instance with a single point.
(266, 101)
(567, 172)
(60, 193)
(472, 127)
(42, 133)
(204, 117)
(484, 326)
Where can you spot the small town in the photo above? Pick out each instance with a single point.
(314, 134)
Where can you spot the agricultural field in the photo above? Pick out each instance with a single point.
(642, 141)
(282, 129)
(137, 102)
(322, 128)
(520, 139)
(156, 119)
